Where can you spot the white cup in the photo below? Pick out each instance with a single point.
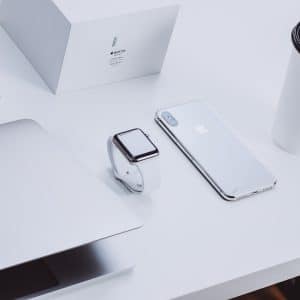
(286, 130)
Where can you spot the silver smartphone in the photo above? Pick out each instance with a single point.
(214, 150)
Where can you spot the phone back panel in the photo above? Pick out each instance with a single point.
(215, 151)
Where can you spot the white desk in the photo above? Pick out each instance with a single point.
(234, 54)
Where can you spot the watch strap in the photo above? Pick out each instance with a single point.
(143, 176)
(151, 174)
(124, 171)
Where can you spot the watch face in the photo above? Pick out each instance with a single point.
(136, 145)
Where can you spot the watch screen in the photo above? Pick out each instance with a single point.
(136, 144)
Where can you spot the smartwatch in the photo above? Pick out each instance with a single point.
(134, 160)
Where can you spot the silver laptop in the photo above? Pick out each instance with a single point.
(48, 202)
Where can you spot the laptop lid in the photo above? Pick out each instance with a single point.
(49, 203)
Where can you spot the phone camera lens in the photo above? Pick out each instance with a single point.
(169, 118)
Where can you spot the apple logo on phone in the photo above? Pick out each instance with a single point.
(201, 129)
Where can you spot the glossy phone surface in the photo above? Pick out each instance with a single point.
(214, 150)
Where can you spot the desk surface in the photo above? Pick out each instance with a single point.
(234, 55)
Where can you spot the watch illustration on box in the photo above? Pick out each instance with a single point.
(134, 160)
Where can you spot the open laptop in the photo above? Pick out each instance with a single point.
(48, 202)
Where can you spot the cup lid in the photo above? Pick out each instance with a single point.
(296, 37)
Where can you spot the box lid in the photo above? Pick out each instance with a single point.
(87, 10)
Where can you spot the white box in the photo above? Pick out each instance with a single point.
(76, 44)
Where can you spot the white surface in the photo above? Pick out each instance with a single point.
(286, 131)
(49, 203)
(70, 55)
(234, 54)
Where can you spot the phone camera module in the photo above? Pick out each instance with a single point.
(169, 118)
